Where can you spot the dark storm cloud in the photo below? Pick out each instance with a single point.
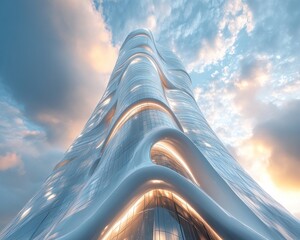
(281, 134)
(48, 61)
(54, 60)
(31, 65)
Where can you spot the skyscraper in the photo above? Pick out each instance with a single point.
(148, 166)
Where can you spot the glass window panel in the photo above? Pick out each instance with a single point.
(161, 216)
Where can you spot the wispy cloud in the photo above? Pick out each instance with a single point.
(236, 17)
(9, 160)
(26, 158)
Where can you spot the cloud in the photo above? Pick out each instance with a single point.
(55, 61)
(281, 136)
(9, 160)
(26, 159)
(243, 58)
(201, 32)
(278, 28)
(18, 185)
(271, 140)
(121, 22)
(206, 33)
(56, 57)
(274, 149)
(236, 17)
(248, 83)
(182, 25)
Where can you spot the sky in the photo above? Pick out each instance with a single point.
(56, 58)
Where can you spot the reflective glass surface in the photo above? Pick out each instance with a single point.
(146, 126)
(160, 215)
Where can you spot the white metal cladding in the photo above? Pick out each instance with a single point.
(148, 102)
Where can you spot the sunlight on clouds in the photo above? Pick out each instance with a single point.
(254, 156)
(94, 58)
(275, 143)
(48, 118)
(95, 44)
(250, 84)
(101, 59)
(151, 23)
(237, 16)
(9, 160)
(256, 80)
(289, 199)
(101, 55)
(66, 65)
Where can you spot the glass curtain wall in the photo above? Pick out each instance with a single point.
(160, 215)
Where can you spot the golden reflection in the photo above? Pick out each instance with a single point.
(134, 110)
(62, 163)
(129, 216)
(168, 149)
(110, 115)
(156, 181)
(146, 56)
(146, 47)
(135, 60)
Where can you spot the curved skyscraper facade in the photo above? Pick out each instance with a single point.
(148, 166)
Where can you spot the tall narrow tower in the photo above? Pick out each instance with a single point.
(148, 166)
